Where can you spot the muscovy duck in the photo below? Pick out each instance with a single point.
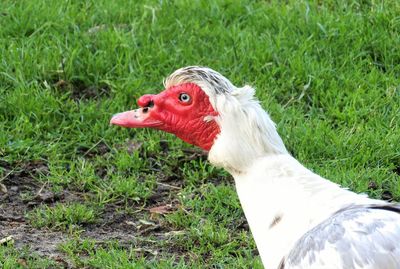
(298, 219)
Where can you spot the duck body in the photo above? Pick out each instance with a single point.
(289, 209)
(298, 219)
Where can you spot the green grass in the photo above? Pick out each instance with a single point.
(61, 216)
(327, 71)
(10, 258)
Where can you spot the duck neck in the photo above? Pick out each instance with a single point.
(282, 200)
(247, 133)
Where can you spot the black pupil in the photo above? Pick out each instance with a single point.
(184, 97)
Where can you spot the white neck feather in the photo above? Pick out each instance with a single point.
(247, 131)
(281, 198)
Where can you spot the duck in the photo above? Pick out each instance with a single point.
(298, 219)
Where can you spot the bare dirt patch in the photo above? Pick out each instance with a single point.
(99, 148)
(22, 193)
(81, 90)
(138, 226)
(21, 190)
(130, 228)
(397, 170)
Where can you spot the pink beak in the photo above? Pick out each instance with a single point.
(138, 118)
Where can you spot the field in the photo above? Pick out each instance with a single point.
(76, 192)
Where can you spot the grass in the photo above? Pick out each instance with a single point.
(11, 258)
(61, 216)
(327, 72)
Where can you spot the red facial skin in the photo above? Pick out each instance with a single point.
(174, 113)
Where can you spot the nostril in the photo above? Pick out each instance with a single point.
(146, 100)
(149, 105)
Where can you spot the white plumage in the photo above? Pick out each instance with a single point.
(298, 219)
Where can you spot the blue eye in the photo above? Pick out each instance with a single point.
(184, 97)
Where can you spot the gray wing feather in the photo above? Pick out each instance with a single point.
(354, 237)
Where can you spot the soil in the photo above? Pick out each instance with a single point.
(20, 192)
(80, 90)
(397, 170)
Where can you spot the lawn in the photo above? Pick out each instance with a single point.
(76, 192)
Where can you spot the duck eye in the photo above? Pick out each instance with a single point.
(184, 97)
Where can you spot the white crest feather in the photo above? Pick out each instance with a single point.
(247, 132)
(293, 213)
